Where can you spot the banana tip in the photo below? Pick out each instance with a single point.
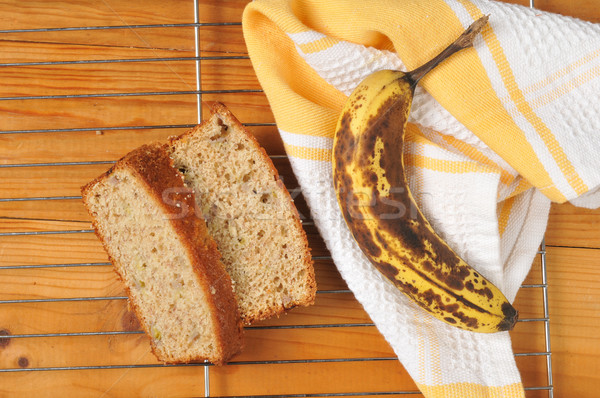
(511, 315)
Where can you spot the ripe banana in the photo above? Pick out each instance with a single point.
(380, 211)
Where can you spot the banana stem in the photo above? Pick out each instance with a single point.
(465, 40)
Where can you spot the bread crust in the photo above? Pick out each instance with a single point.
(152, 165)
(220, 110)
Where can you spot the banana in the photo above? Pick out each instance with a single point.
(381, 213)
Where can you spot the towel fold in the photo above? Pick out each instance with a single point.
(497, 133)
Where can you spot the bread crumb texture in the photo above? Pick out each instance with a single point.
(249, 213)
(175, 301)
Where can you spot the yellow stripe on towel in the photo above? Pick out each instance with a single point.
(307, 153)
(318, 45)
(472, 390)
(504, 214)
(474, 154)
(523, 106)
(446, 166)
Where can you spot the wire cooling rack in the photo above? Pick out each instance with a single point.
(6, 336)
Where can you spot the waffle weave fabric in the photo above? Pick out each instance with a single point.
(496, 134)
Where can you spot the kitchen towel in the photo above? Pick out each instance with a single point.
(497, 133)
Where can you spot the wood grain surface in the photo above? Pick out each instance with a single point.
(73, 101)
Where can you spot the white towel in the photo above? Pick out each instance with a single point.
(497, 132)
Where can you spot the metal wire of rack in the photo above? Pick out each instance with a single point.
(199, 93)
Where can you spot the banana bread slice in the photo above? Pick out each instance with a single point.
(249, 213)
(176, 283)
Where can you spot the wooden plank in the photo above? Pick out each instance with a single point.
(78, 146)
(106, 145)
(541, 393)
(37, 14)
(65, 13)
(54, 210)
(99, 45)
(574, 296)
(126, 77)
(19, 225)
(51, 249)
(67, 317)
(316, 378)
(573, 226)
(583, 9)
(90, 281)
(92, 316)
(528, 338)
(23, 182)
(188, 380)
(60, 283)
(121, 44)
(106, 383)
(533, 371)
(261, 345)
(97, 113)
(98, 350)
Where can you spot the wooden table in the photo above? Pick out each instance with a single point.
(75, 100)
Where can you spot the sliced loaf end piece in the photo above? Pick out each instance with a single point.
(176, 283)
(250, 214)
